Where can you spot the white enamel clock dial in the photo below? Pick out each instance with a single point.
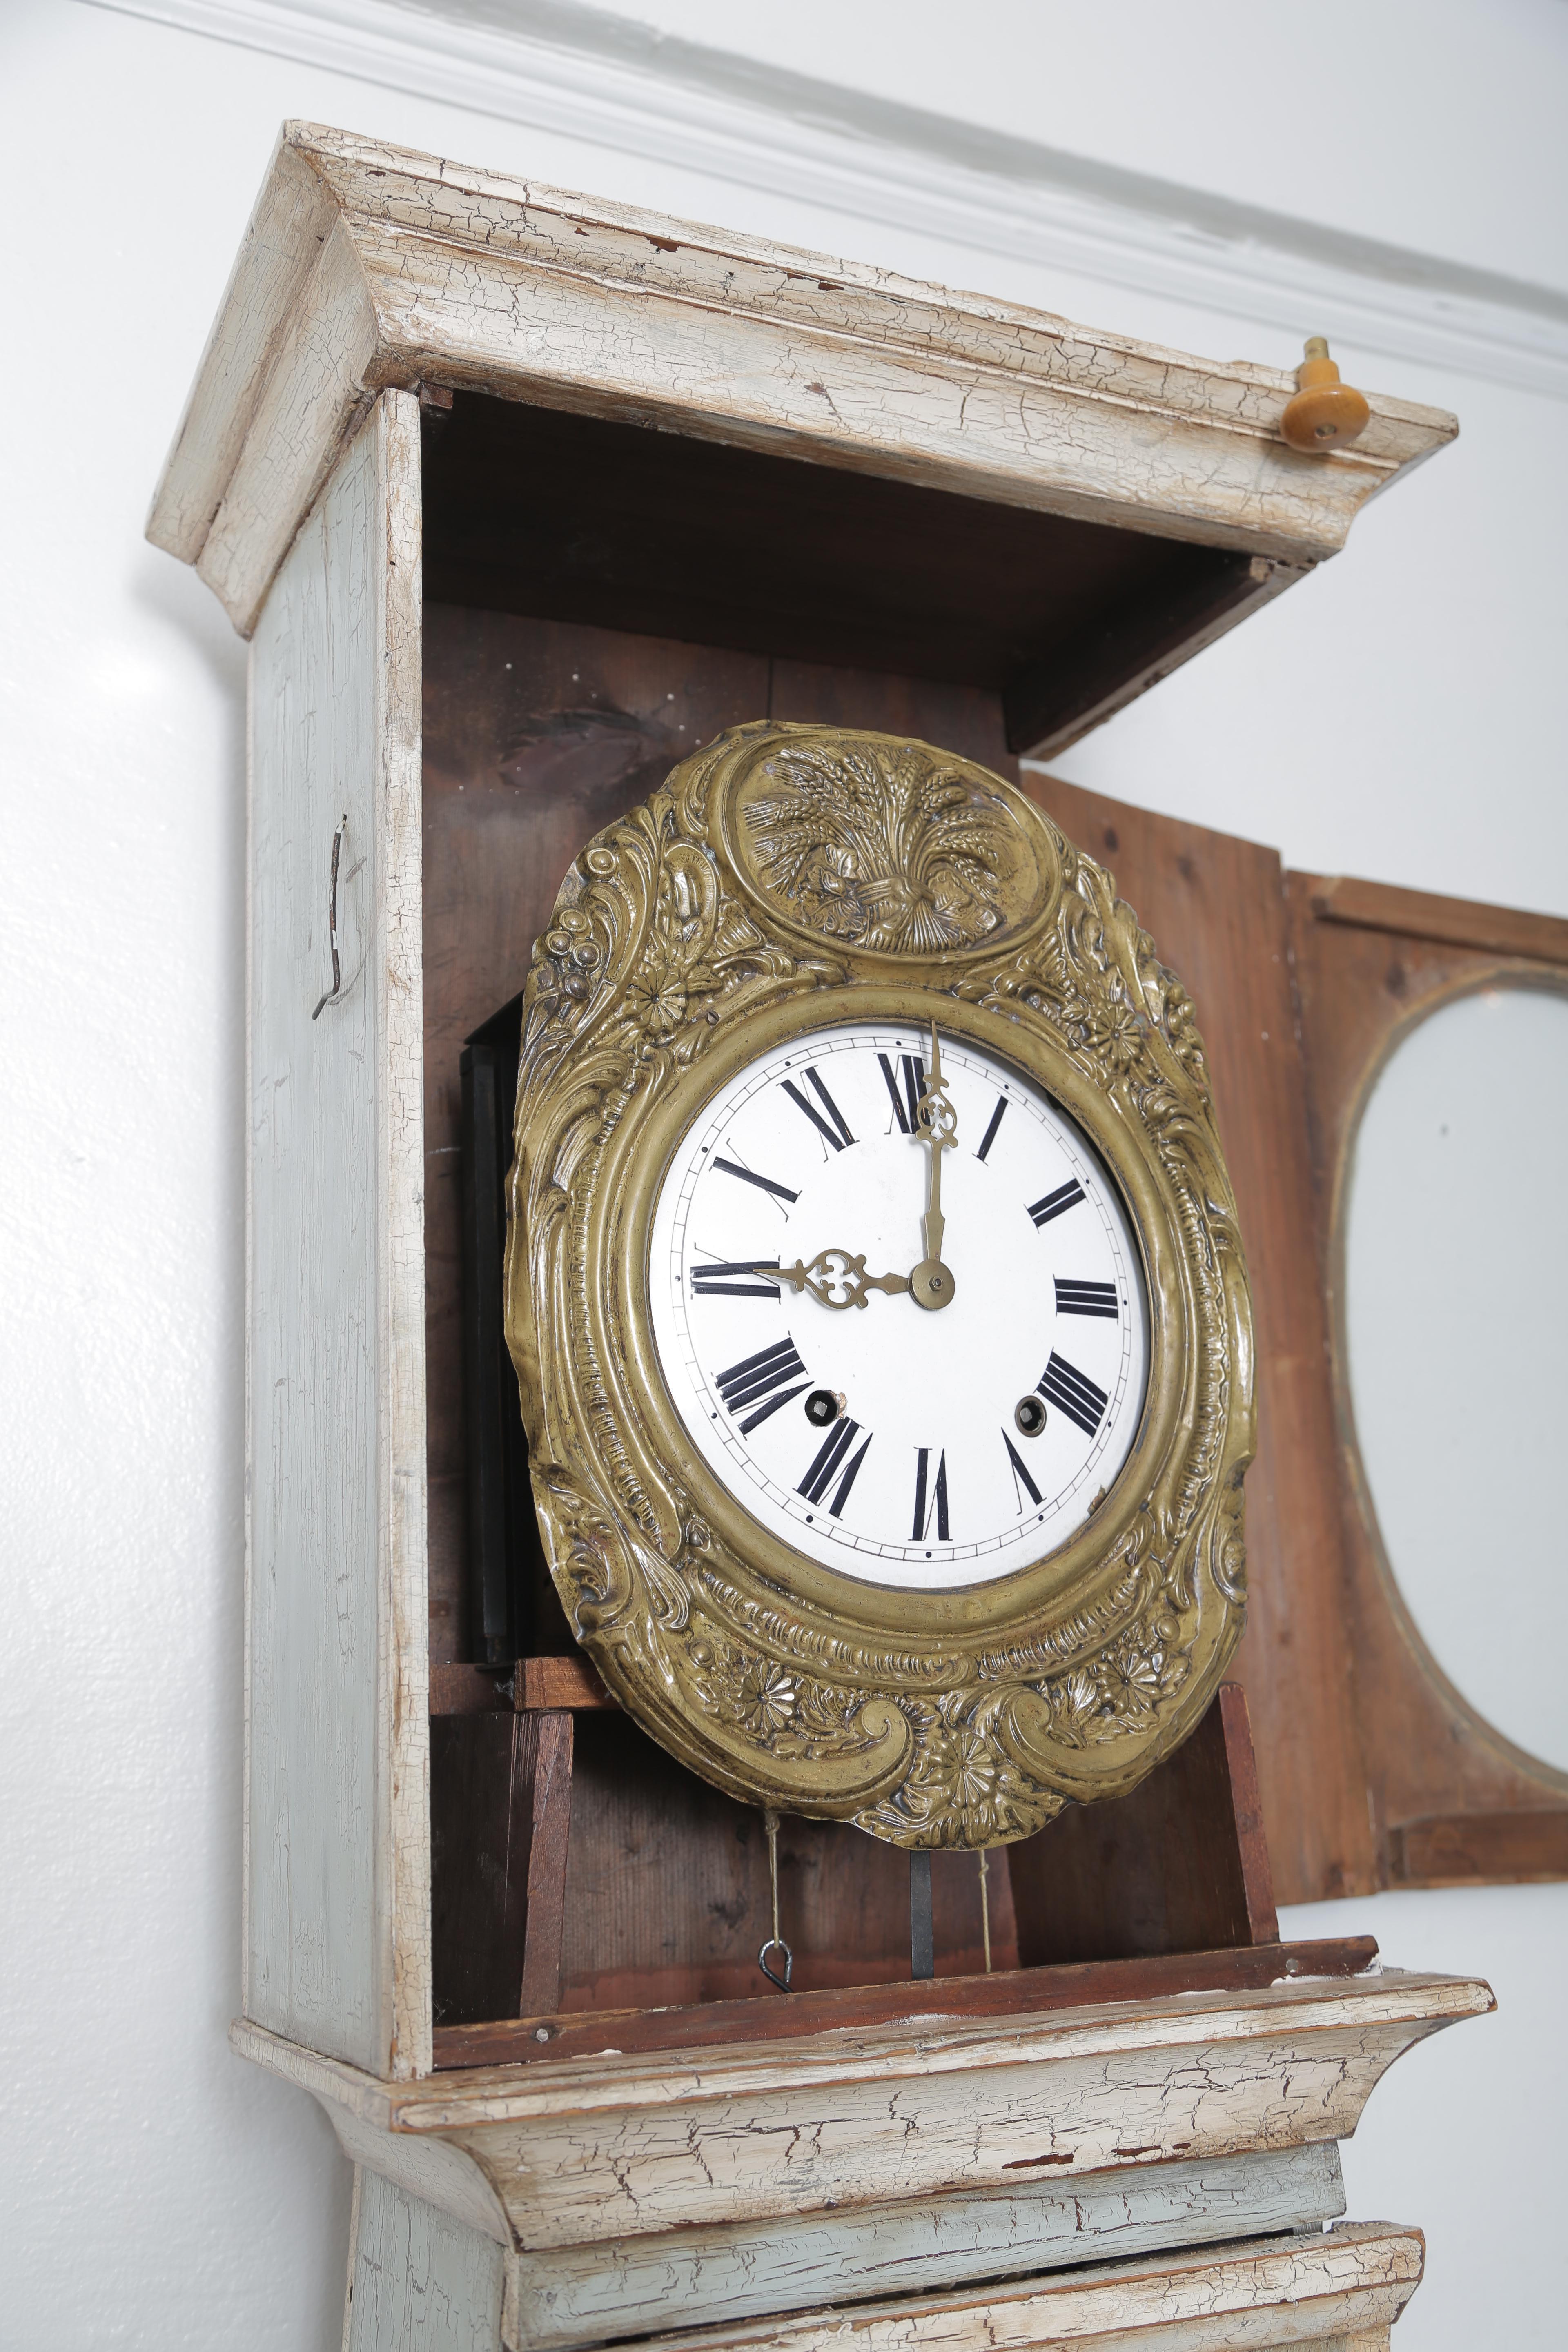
(921, 1447)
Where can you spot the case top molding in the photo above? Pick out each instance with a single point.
(366, 266)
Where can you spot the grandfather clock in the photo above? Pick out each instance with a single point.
(645, 623)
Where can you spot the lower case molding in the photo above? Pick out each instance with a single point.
(1341, 2289)
(421, 2281)
(702, 2277)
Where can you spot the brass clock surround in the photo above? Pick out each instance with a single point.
(784, 879)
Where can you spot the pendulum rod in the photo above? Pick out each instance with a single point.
(985, 1905)
(775, 1942)
(922, 1941)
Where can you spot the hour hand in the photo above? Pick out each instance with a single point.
(836, 1277)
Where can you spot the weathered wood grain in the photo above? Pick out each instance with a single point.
(629, 2146)
(1453, 1802)
(336, 1847)
(560, 1683)
(474, 278)
(1215, 909)
(482, 1840)
(627, 2286)
(1179, 1865)
(550, 1805)
(1350, 2284)
(798, 2016)
(1422, 915)
(418, 2280)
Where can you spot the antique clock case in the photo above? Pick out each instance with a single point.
(520, 498)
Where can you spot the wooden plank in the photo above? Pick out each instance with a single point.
(1430, 1757)
(1159, 1871)
(419, 2280)
(1454, 922)
(550, 1805)
(478, 280)
(583, 2295)
(1215, 908)
(669, 1898)
(1111, 657)
(959, 718)
(482, 1824)
(529, 1684)
(337, 1929)
(801, 2015)
(1246, 1812)
(1479, 1849)
(568, 1682)
(1352, 2283)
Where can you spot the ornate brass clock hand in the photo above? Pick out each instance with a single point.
(936, 1125)
(836, 1277)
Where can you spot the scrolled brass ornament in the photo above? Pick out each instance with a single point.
(875, 1290)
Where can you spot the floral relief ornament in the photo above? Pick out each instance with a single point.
(784, 875)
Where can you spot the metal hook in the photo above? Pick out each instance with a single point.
(775, 1942)
(332, 996)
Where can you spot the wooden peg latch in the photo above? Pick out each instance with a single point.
(1325, 413)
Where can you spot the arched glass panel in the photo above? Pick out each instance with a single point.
(1455, 1294)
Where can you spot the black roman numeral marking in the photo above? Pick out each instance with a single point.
(1020, 1476)
(750, 1176)
(990, 1136)
(1074, 1393)
(838, 1134)
(938, 1505)
(717, 1281)
(1056, 1204)
(912, 1071)
(760, 1380)
(1087, 1298)
(821, 1474)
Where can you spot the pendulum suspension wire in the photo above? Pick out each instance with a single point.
(922, 1940)
(775, 1942)
(986, 1906)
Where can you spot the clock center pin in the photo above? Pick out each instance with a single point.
(932, 1284)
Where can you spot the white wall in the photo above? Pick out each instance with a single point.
(1400, 715)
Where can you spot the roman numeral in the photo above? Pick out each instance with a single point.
(823, 1471)
(760, 1380)
(838, 1134)
(716, 1281)
(1020, 1476)
(1056, 1204)
(912, 1071)
(990, 1136)
(750, 1176)
(1073, 1392)
(1087, 1298)
(938, 1506)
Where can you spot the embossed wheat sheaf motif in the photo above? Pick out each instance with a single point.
(884, 848)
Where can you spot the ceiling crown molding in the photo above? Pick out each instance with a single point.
(602, 79)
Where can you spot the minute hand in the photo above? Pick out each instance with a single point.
(936, 1125)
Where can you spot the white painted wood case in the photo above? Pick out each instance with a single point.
(337, 1930)
(557, 2206)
